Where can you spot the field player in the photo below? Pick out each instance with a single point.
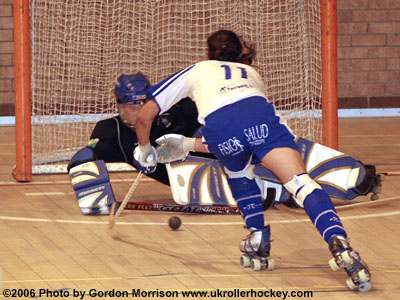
(241, 128)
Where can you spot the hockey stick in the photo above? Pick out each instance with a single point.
(113, 217)
(367, 203)
(199, 209)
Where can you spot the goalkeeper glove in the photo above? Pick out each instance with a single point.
(174, 147)
(145, 158)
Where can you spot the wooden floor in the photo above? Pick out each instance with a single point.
(46, 243)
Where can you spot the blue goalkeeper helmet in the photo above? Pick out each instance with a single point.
(132, 89)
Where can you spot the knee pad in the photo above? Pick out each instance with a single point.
(300, 187)
(248, 172)
(243, 187)
(92, 187)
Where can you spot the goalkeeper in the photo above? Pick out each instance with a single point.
(114, 139)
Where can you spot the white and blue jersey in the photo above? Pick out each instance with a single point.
(211, 84)
(231, 101)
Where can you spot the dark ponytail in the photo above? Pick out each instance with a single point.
(225, 45)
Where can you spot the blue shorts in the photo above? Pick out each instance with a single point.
(243, 130)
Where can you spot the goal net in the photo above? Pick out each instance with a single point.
(79, 48)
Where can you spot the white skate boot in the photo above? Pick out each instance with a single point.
(256, 248)
(344, 257)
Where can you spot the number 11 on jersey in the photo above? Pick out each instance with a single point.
(228, 72)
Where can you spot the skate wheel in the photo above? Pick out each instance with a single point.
(347, 258)
(255, 264)
(364, 275)
(270, 264)
(245, 261)
(334, 266)
(350, 284)
(364, 287)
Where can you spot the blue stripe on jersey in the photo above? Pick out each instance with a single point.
(158, 88)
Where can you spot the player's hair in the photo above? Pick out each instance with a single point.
(226, 45)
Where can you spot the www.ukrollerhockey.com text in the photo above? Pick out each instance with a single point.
(139, 293)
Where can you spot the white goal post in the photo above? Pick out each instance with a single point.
(68, 55)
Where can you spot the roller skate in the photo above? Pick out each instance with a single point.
(344, 257)
(256, 247)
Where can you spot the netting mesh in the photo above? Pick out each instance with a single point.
(80, 47)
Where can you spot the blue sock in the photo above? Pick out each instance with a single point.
(248, 197)
(322, 213)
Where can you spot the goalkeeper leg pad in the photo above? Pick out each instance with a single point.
(83, 155)
(199, 181)
(92, 187)
(368, 180)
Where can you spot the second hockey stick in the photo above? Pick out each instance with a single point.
(199, 209)
(133, 187)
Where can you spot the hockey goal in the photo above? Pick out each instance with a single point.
(79, 48)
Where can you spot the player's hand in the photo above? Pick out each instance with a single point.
(145, 158)
(174, 147)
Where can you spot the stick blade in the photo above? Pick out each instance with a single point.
(111, 223)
